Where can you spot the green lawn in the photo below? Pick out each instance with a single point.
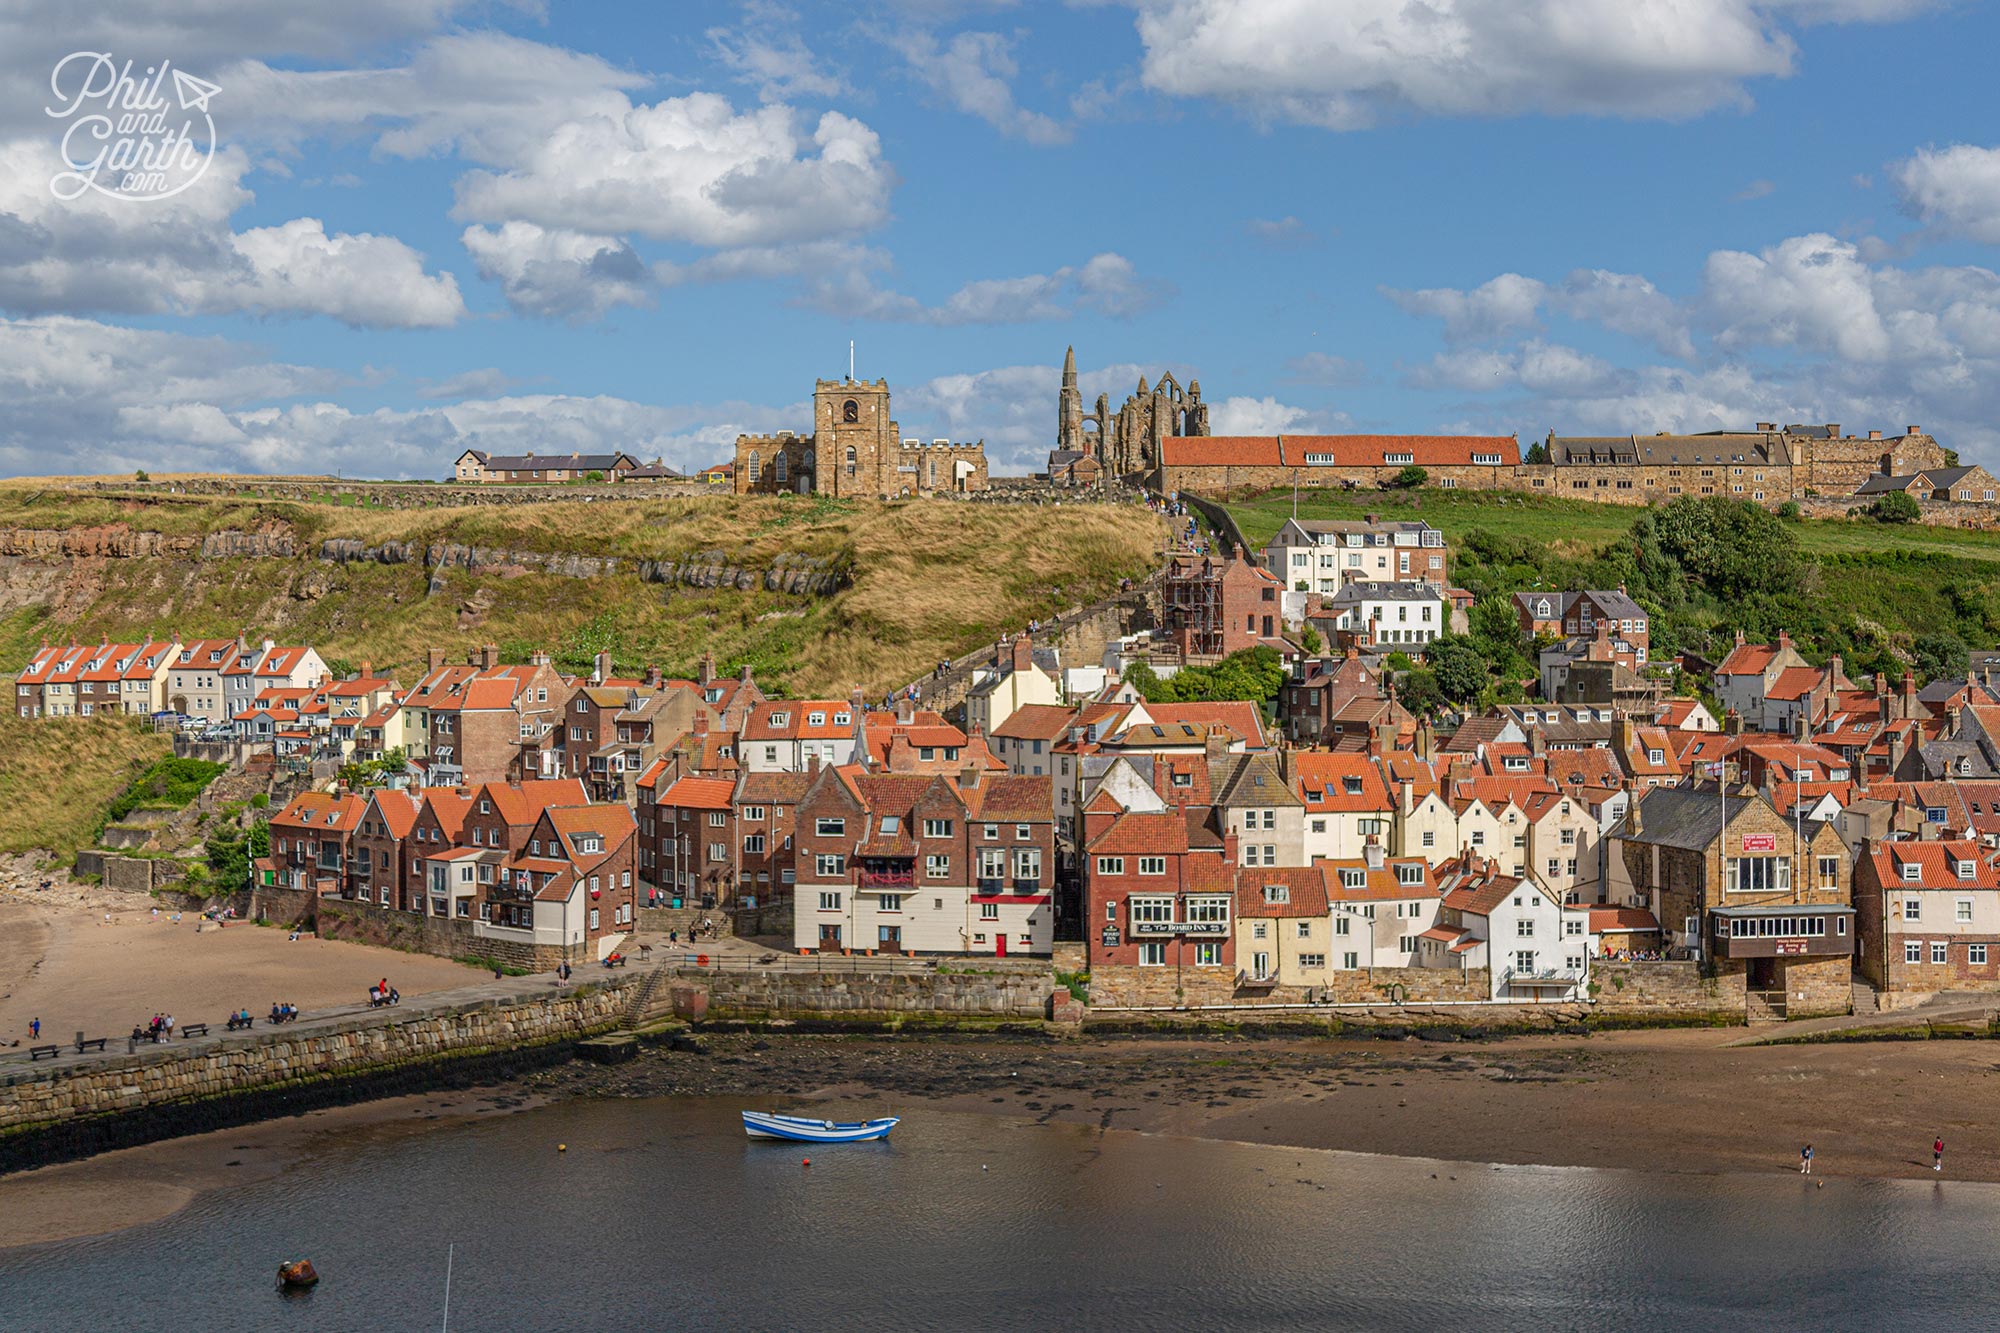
(1578, 525)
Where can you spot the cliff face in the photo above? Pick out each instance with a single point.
(118, 542)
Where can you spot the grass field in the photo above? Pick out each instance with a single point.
(1576, 527)
(929, 579)
(60, 774)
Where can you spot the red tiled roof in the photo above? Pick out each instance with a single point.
(699, 793)
(1937, 863)
(1621, 920)
(1030, 722)
(1143, 833)
(1322, 782)
(1305, 892)
(1749, 660)
(1242, 718)
(1344, 450)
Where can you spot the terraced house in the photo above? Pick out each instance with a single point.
(925, 863)
(479, 721)
(110, 679)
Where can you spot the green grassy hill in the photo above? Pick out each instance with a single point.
(929, 579)
(1884, 595)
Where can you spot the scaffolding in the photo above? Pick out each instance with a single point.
(1193, 604)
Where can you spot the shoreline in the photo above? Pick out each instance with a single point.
(1676, 1101)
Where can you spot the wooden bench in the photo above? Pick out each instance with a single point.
(194, 1030)
(85, 1043)
(616, 960)
(37, 1052)
(247, 1022)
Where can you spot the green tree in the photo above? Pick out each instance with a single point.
(1538, 452)
(1895, 507)
(1419, 691)
(1460, 670)
(1939, 656)
(1410, 478)
(1310, 640)
(1789, 511)
(1734, 548)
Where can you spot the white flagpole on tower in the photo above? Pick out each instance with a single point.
(850, 358)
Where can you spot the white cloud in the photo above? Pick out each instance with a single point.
(1955, 190)
(1350, 65)
(1283, 233)
(1757, 189)
(1493, 309)
(1537, 366)
(1106, 284)
(1335, 372)
(1625, 303)
(559, 274)
(767, 53)
(1257, 416)
(974, 73)
(179, 255)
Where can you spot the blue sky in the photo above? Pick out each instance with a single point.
(433, 224)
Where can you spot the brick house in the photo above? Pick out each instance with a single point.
(1215, 607)
(1325, 556)
(1159, 892)
(1748, 891)
(693, 845)
(379, 868)
(784, 735)
(1929, 915)
(479, 721)
(766, 807)
(925, 863)
(311, 839)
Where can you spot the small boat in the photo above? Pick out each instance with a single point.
(297, 1275)
(760, 1125)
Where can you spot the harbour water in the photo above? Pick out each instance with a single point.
(661, 1214)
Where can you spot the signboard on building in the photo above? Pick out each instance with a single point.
(1180, 927)
(1760, 842)
(1110, 937)
(1791, 946)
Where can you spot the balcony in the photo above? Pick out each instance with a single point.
(990, 887)
(1560, 978)
(1029, 886)
(887, 876)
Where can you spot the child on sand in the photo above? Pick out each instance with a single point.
(1937, 1154)
(1805, 1160)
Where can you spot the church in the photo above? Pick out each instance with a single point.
(1124, 443)
(855, 449)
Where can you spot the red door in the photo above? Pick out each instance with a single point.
(999, 944)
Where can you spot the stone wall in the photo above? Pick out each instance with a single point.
(48, 1113)
(413, 932)
(290, 908)
(1665, 988)
(1819, 988)
(1080, 635)
(1157, 987)
(789, 994)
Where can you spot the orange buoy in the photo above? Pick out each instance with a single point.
(701, 960)
(807, 1162)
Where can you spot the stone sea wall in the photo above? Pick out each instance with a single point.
(1665, 990)
(52, 1112)
(783, 994)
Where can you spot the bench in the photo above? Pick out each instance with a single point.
(85, 1043)
(237, 1023)
(194, 1030)
(37, 1052)
(616, 960)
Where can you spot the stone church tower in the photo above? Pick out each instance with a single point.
(855, 449)
(1069, 408)
(856, 440)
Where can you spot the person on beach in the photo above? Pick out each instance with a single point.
(1805, 1160)
(1937, 1154)
(34, 1027)
(170, 1027)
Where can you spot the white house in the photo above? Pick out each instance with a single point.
(1386, 615)
(1536, 950)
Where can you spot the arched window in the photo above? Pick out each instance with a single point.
(778, 468)
(850, 411)
(850, 460)
(756, 468)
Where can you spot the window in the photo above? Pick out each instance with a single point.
(1353, 877)
(830, 867)
(1975, 954)
(1277, 893)
(1829, 871)
(1938, 951)
(753, 812)
(830, 828)
(1430, 838)
(1152, 911)
(1572, 927)
(1023, 832)
(1343, 925)
(829, 902)
(1759, 874)
(1912, 872)
(989, 911)
(1350, 961)
(937, 828)
(1110, 865)
(1260, 931)
(990, 832)
(1409, 872)
(1967, 869)
(1525, 928)
(937, 867)
(1305, 930)
(1524, 961)
(1152, 955)
(717, 818)
(890, 823)
(1208, 955)
(1028, 863)
(1208, 909)
(754, 844)
(1913, 909)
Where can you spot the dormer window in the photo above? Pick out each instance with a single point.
(1966, 869)
(842, 719)
(1912, 872)
(1277, 893)
(1351, 785)
(890, 823)
(1656, 756)
(815, 719)
(1353, 877)
(781, 719)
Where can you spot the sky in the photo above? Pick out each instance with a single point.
(391, 230)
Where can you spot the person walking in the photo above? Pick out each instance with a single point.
(1805, 1160)
(34, 1028)
(170, 1027)
(1937, 1154)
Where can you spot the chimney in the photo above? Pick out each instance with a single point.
(269, 644)
(1895, 754)
(1352, 652)
(367, 671)
(1767, 426)
(1912, 430)
(1739, 638)
(812, 762)
(433, 659)
(1784, 641)
(602, 670)
(1833, 430)
(1229, 848)
(968, 778)
(1951, 720)
(906, 709)
(653, 678)
(539, 657)
(1732, 723)
(1216, 743)
(489, 656)
(1538, 745)
(1635, 823)
(701, 722)
(1621, 733)
(1406, 797)
(1024, 653)
(1371, 852)
(1908, 709)
(1799, 727)
(706, 671)
(1874, 434)
(1285, 764)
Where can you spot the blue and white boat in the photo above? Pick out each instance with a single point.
(761, 1125)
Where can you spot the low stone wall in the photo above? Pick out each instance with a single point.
(290, 908)
(1661, 989)
(785, 994)
(52, 1113)
(1194, 987)
(413, 932)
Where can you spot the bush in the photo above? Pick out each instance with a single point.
(1410, 478)
(168, 783)
(1789, 511)
(1310, 640)
(141, 475)
(1895, 507)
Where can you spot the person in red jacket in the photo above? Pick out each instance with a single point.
(1937, 1154)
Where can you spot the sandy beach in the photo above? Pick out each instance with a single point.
(64, 964)
(1682, 1101)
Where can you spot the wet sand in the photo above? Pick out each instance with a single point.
(134, 1186)
(1681, 1101)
